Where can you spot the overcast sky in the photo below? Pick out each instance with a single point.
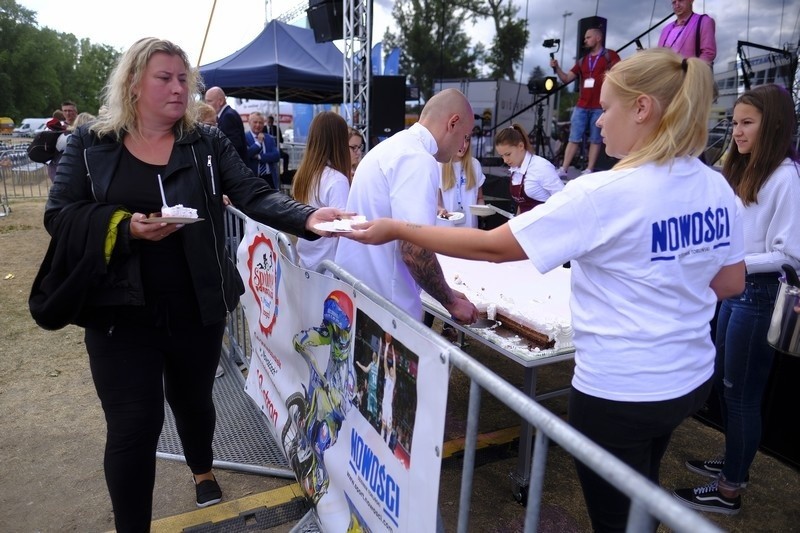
(235, 23)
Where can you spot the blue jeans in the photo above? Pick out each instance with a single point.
(583, 118)
(743, 364)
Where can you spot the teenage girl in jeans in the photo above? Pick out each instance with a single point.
(763, 169)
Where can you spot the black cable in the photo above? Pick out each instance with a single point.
(652, 14)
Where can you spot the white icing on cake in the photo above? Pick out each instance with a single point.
(178, 211)
(518, 291)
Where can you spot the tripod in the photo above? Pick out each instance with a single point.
(537, 136)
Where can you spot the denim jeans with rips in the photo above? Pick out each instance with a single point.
(743, 364)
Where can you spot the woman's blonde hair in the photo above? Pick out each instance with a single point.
(119, 100)
(326, 146)
(449, 173)
(512, 136)
(682, 89)
(206, 114)
(747, 173)
(81, 119)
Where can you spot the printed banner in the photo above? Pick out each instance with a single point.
(377, 59)
(391, 67)
(356, 398)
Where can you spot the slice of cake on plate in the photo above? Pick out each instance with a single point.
(178, 211)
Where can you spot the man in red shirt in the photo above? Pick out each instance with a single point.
(591, 70)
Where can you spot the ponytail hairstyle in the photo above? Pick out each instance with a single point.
(682, 90)
(747, 173)
(512, 136)
(449, 173)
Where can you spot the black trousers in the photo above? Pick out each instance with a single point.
(637, 433)
(285, 159)
(133, 369)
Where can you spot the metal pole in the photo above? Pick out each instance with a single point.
(557, 97)
(563, 35)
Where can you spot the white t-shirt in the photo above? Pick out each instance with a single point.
(541, 177)
(772, 225)
(333, 189)
(399, 178)
(644, 245)
(458, 198)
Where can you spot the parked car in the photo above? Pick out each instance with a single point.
(29, 127)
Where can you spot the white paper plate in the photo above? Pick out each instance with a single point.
(332, 226)
(170, 220)
(480, 210)
(453, 216)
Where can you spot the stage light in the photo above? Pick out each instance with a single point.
(545, 85)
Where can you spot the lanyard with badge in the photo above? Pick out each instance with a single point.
(460, 197)
(683, 27)
(588, 83)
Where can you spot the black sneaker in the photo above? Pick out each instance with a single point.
(208, 492)
(709, 499)
(711, 468)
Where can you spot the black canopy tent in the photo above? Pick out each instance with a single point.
(283, 63)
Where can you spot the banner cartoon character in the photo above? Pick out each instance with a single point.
(316, 415)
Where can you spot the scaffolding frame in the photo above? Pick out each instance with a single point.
(357, 34)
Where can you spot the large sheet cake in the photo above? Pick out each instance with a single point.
(532, 304)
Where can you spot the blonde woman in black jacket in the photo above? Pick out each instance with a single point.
(154, 316)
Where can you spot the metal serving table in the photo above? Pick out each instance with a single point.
(515, 347)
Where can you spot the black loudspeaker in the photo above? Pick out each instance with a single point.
(585, 24)
(387, 105)
(326, 18)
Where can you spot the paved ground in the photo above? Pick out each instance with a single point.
(51, 443)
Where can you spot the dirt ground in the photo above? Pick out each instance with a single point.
(53, 433)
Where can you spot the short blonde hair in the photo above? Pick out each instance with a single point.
(683, 90)
(206, 114)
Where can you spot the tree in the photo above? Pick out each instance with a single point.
(433, 41)
(536, 74)
(16, 27)
(92, 68)
(510, 39)
(39, 68)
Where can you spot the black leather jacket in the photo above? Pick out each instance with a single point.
(203, 166)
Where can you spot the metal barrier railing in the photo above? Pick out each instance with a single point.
(648, 501)
(295, 151)
(236, 345)
(719, 138)
(21, 177)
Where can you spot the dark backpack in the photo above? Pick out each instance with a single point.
(43, 146)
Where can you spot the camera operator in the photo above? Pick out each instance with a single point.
(591, 69)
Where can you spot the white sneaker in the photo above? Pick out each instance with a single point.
(587, 171)
(562, 173)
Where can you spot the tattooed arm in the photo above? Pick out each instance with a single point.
(427, 272)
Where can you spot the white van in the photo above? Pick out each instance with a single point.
(29, 126)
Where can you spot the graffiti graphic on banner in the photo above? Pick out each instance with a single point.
(359, 413)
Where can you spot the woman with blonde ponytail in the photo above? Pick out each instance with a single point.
(653, 243)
